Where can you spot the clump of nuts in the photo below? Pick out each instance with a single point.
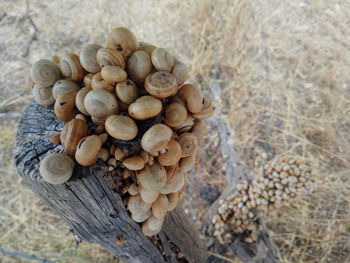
(125, 93)
(281, 181)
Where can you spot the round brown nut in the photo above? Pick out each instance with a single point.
(145, 107)
(121, 127)
(161, 84)
(88, 150)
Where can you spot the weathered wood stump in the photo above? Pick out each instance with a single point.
(89, 203)
(95, 211)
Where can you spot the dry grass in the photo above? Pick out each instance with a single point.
(284, 68)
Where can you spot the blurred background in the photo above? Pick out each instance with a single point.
(283, 72)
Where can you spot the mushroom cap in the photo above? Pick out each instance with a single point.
(63, 85)
(121, 127)
(156, 138)
(134, 163)
(145, 107)
(174, 184)
(192, 96)
(112, 73)
(71, 134)
(172, 155)
(175, 114)
(137, 206)
(152, 177)
(139, 66)
(88, 150)
(127, 91)
(162, 60)
(88, 58)
(161, 84)
(44, 73)
(79, 100)
(160, 206)
(148, 196)
(57, 168)
(100, 103)
(173, 199)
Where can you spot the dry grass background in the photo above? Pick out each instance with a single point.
(285, 75)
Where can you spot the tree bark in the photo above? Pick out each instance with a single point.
(90, 204)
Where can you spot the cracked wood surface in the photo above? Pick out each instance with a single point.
(88, 202)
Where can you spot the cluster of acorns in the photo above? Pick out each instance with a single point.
(282, 179)
(124, 87)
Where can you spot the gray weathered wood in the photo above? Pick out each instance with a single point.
(263, 249)
(89, 202)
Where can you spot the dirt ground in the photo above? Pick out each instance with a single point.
(285, 76)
